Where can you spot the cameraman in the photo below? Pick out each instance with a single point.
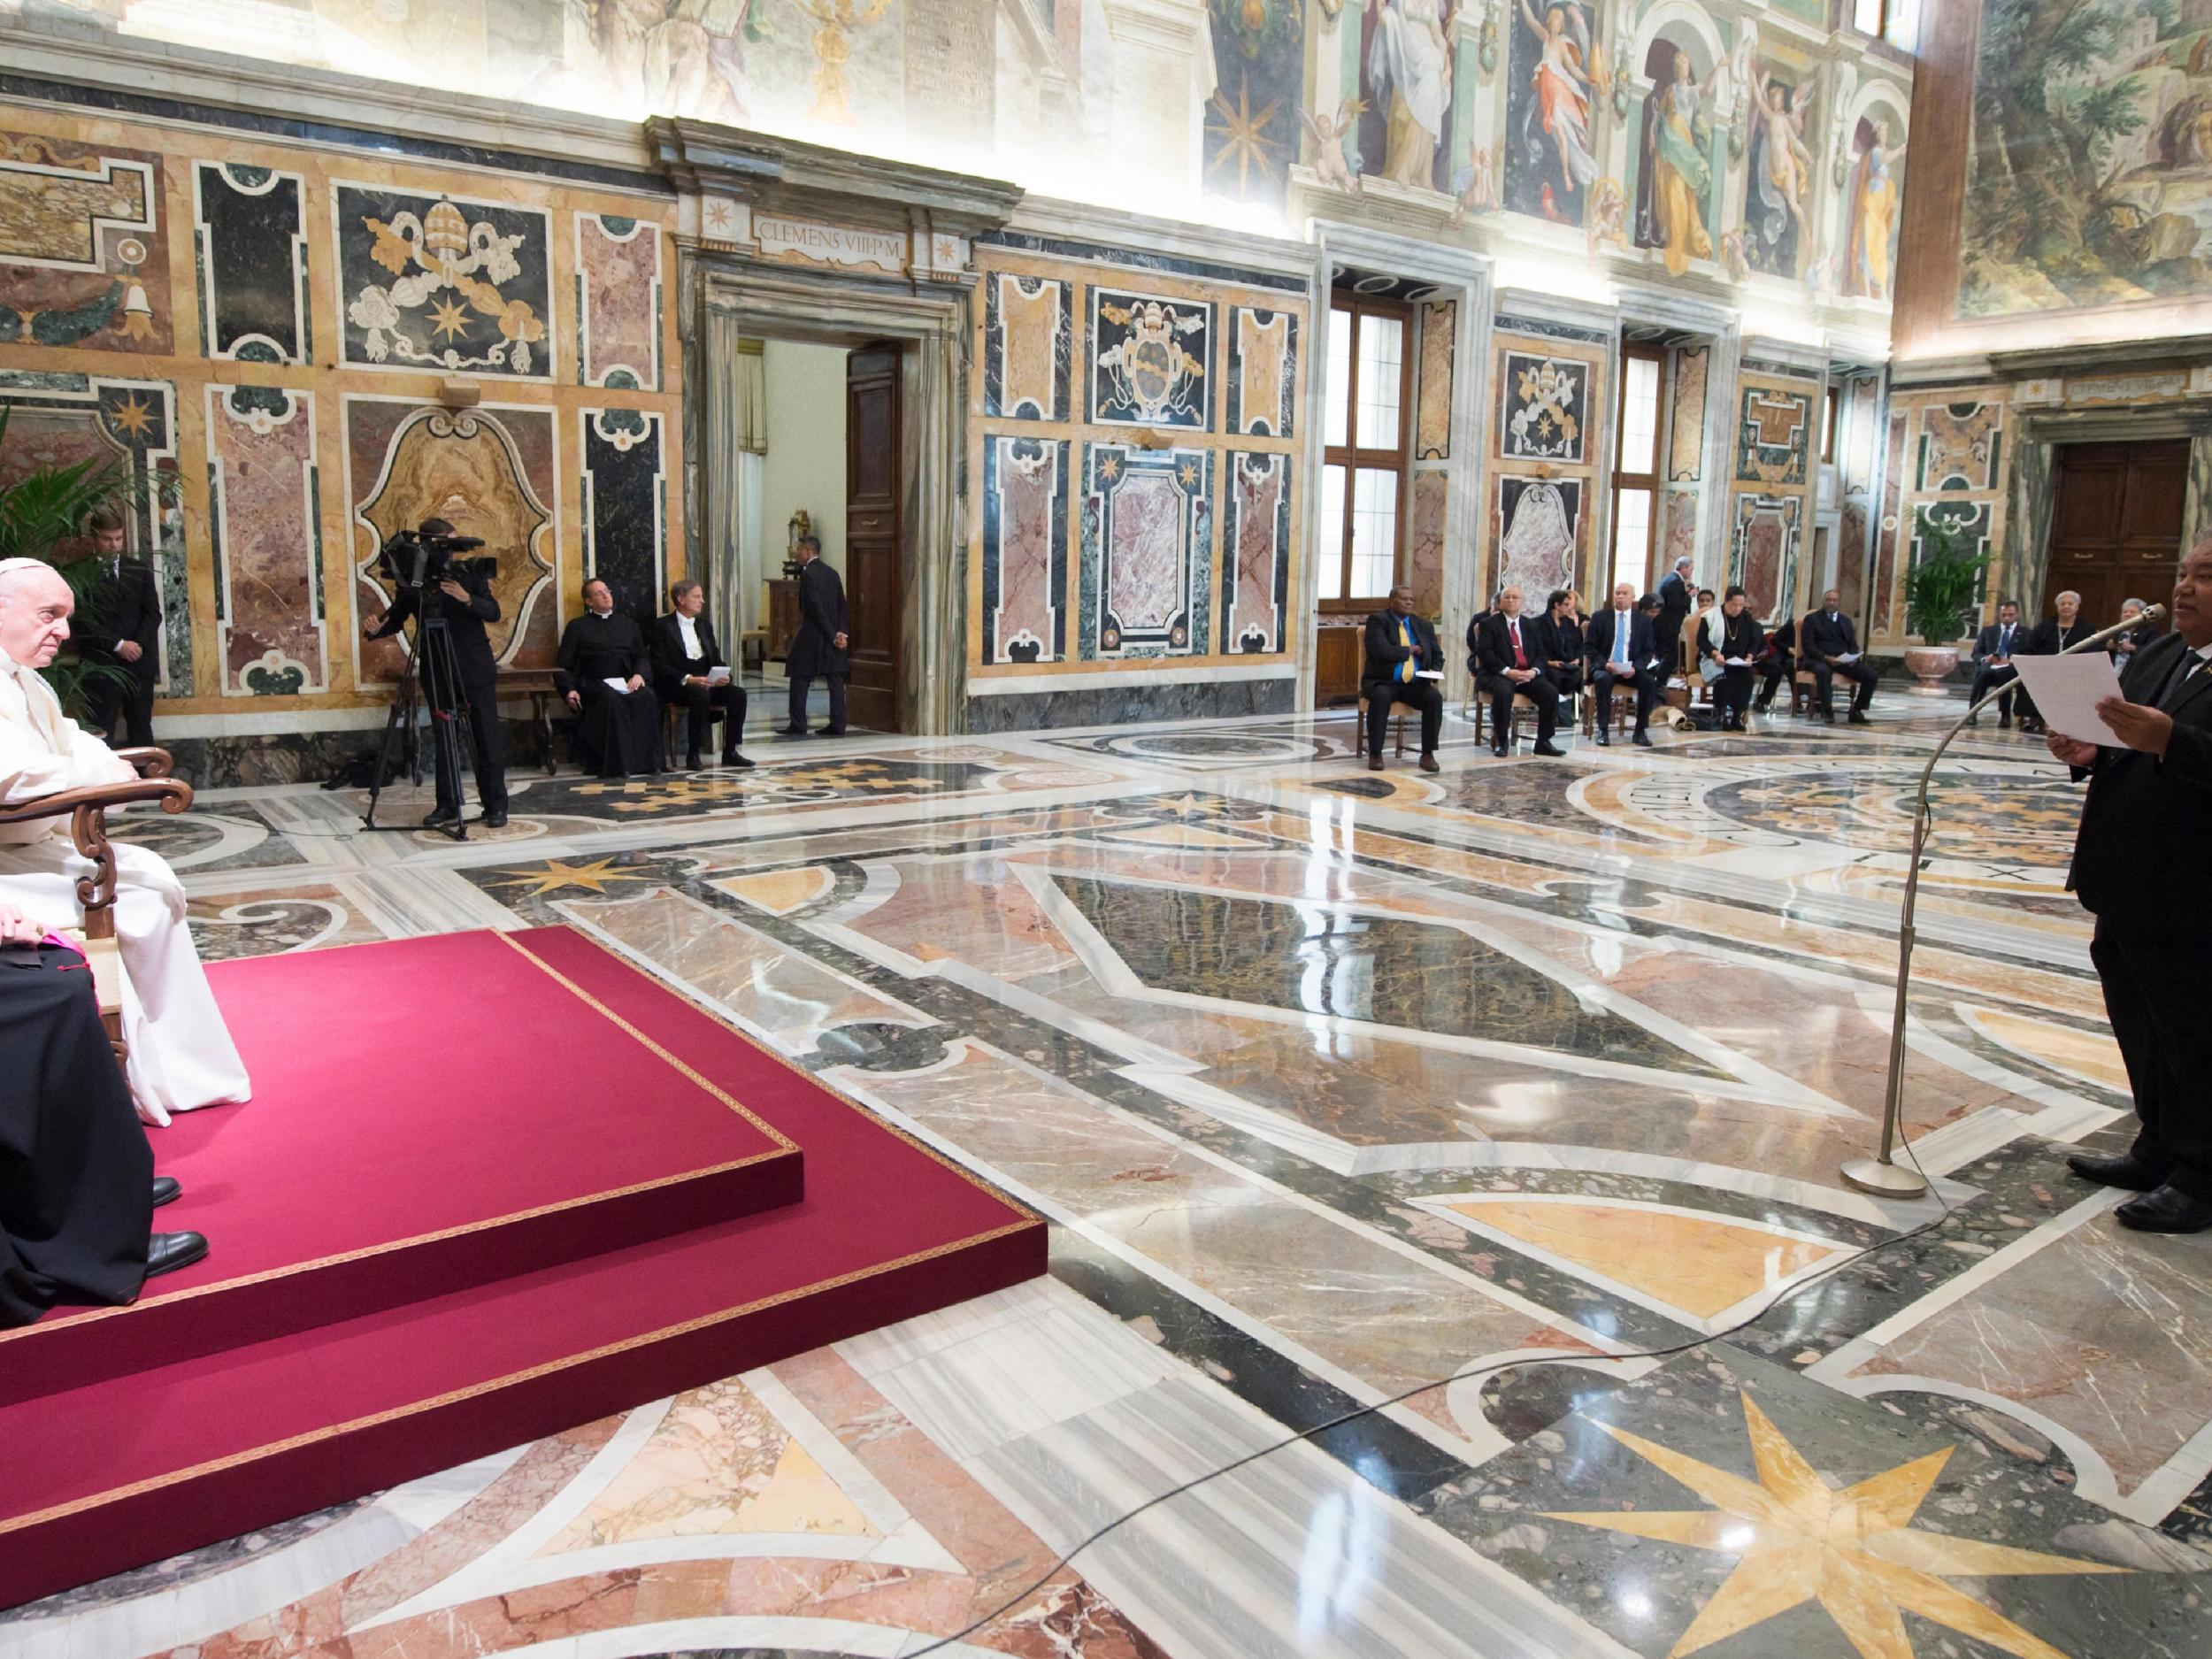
(463, 599)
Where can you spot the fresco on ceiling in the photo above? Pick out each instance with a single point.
(2089, 178)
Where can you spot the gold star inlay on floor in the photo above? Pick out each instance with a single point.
(1796, 1539)
(594, 878)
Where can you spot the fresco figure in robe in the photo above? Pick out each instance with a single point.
(1409, 73)
(1550, 118)
(1873, 213)
(1780, 166)
(1677, 174)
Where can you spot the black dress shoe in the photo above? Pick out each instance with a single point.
(1642, 740)
(167, 1190)
(165, 1252)
(2126, 1170)
(791, 731)
(1549, 751)
(1374, 763)
(1857, 718)
(1605, 740)
(2004, 723)
(495, 817)
(829, 731)
(1498, 749)
(1428, 764)
(2169, 1210)
(731, 758)
(692, 762)
(444, 817)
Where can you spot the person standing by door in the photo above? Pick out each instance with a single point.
(819, 648)
(123, 632)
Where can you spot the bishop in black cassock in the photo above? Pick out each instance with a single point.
(619, 732)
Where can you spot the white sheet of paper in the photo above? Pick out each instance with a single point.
(613, 684)
(1428, 673)
(1848, 656)
(1737, 662)
(2067, 690)
(718, 676)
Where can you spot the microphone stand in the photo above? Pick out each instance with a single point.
(1883, 1175)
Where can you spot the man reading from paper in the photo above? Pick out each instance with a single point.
(181, 1055)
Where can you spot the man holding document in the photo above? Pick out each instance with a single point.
(1403, 665)
(690, 672)
(2139, 866)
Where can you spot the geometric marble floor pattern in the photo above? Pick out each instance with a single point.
(1335, 1086)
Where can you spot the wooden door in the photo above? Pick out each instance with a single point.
(875, 590)
(2115, 524)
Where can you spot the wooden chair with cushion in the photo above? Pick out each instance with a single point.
(1804, 687)
(87, 810)
(1397, 727)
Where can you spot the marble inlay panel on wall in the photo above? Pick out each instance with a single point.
(617, 302)
(84, 247)
(264, 504)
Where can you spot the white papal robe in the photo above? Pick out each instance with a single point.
(181, 1055)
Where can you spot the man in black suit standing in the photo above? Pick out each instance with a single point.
(1506, 652)
(1621, 651)
(2139, 867)
(1993, 648)
(122, 618)
(819, 648)
(1676, 598)
(1402, 647)
(685, 656)
(1831, 647)
(2048, 638)
(461, 605)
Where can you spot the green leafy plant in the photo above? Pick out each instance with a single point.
(43, 512)
(1940, 591)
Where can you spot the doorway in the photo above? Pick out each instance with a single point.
(2115, 524)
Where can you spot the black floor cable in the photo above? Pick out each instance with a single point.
(1668, 1352)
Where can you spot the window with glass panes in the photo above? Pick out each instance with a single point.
(1364, 458)
(1895, 21)
(1636, 466)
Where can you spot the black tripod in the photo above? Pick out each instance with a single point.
(448, 703)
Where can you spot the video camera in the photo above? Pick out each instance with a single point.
(416, 563)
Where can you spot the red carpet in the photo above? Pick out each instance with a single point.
(428, 1115)
(130, 1468)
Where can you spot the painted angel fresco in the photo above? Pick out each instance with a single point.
(1331, 165)
(1872, 230)
(1410, 79)
(1677, 178)
(1555, 72)
(1781, 167)
(676, 57)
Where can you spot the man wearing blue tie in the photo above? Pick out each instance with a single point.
(1992, 662)
(1623, 651)
(1400, 648)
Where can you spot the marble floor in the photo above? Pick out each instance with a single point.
(1477, 1133)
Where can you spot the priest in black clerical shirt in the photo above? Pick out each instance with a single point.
(602, 674)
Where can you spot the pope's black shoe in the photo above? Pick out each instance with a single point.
(2126, 1170)
(2169, 1210)
(167, 1190)
(165, 1252)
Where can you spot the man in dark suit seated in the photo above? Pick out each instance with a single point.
(121, 630)
(1621, 651)
(685, 656)
(600, 674)
(1778, 661)
(1993, 648)
(1559, 641)
(1507, 654)
(1402, 647)
(1831, 647)
(1474, 634)
(2139, 867)
(2048, 638)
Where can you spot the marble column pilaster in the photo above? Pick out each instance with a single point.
(933, 665)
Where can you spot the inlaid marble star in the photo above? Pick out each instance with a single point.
(1109, 467)
(1243, 136)
(450, 319)
(593, 878)
(1797, 1539)
(134, 416)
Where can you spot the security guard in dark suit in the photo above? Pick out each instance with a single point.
(121, 628)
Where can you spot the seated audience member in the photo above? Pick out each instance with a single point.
(181, 1056)
(684, 654)
(1732, 647)
(2048, 638)
(1510, 664)
(2126, 645)
(1559, 641)
(1829, 645)
(1993, 648)
(1400, 647)
(1620, 650)
(1474, 634)
(1704, 608)
(1778, 662)
(76, 1187)
(601, 672)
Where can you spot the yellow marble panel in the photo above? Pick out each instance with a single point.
(1185, 835)
(2091, 1056)
(779, 892)
(1699, 1265)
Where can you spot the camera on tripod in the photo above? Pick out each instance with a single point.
(417, 561)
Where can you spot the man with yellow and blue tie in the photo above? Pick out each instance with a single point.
(1400, 648)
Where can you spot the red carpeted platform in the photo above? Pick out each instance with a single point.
(129, 1468)
(428, 1114)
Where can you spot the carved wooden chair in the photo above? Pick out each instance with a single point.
(87, 810)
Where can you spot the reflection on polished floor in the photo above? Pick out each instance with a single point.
(1341, 1090)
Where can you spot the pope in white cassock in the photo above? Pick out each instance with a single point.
(181, 1055)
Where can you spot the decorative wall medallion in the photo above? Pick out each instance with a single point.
(1024, 549)
(84, 258)
(1543, 405)
(1538, 520)
(1775, 434)
(1255, 553)
(1027, 342)
(1263, 372)
(1151, 360)
(264, 523)
(1145, 542)
(444, 283)
(249, 234)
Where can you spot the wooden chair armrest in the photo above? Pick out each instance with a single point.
(175, 794)
(151, 762)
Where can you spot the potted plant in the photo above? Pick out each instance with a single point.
(1940, 594)
(43, 512)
